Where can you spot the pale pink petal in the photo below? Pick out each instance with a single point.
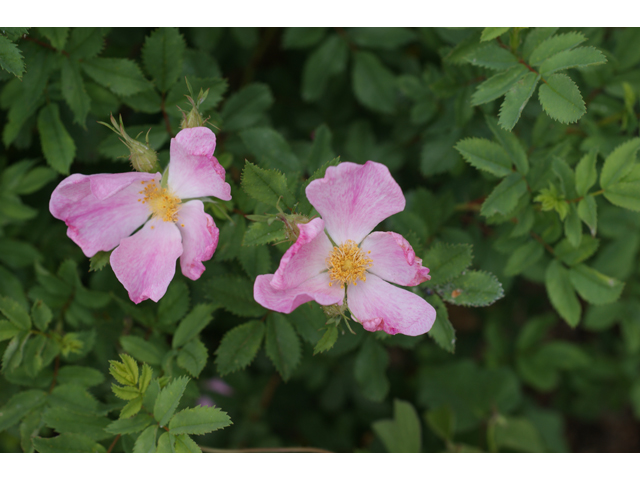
(378, 305)
(306, 258)
(394, 260)
(286, 301)
(199, 238)
(352, 199)
(145, 263)
(100, 210)
(193, 170)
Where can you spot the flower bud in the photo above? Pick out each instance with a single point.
(194, 117)
(143, 158)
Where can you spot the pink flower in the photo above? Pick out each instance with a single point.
(102, 211)
(337, 255)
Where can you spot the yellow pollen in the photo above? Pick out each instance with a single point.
(161, 202)
(347, 264)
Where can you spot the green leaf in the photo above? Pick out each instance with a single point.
(99, 261)
(15, 313)
(282, 345)
(193, 357)
(184, 444)
(260, 233)
(374, 85)
(162, 55)
(370, 370)
(626, 192)
(326, 61)
(166, 443)
(586, 174)
(235, 294)
(86, 42)
(14, 33)
(566, 176)
(493, 56)
(561, 100)
(168, 400)
(516, 99)
(41, 315)
(504, 198)
(255, 261)
(523, 257)
(518, 434)
(301, 37)
(588, 213)
(534, 38)
(126, 426)
(131, 408)
(497, 85)
(442, 332)
(511, 145)
(573, 226)
(561, 293)
(572, 255)
(593, 286)
(270, 149)
(327, 341)
(403, 434)
(387, 38)
(321, 152)
(266, 186)
(474, 288)
(8, 330)
(193, 324)
(576, 58)
(619, 163)
(198, 421)
(75, 398)
(74, 92)
(175, 303)
(67, 443)
(555, 44)
(446, 262)
(81, 376)
(485, 155)
(146, 441)
(141, 349)
(34, 180)
(120, 75)
(489, 33)
(11, 57)
(239, 347)
(19, 406)
(441, 420)
(67, 421)
(244, 108)
(57, 145)
(56, 35)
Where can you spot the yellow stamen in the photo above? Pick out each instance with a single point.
(347, 264)
(162, 203)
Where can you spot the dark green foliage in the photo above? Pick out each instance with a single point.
(516, 150)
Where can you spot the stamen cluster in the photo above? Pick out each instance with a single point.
(348, 263)
(162, 204)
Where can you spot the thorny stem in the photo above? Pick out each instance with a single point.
(45, 45)
(113, 444)
(266, 450)
(55, 374)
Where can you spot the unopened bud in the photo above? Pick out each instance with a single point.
(291, 222)
(143, 158)
(194, 117)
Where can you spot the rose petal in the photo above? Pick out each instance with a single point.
(145, 263)
(100, 210)
(306, 258)
(199, 238)
(378, 305)
(394, 260)
(286, 301)
(352, 199)
(193, 170)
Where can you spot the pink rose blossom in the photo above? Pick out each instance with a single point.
(102, 211)
(352, 199)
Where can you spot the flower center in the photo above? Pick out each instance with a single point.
(348, 263)
(162, 204)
